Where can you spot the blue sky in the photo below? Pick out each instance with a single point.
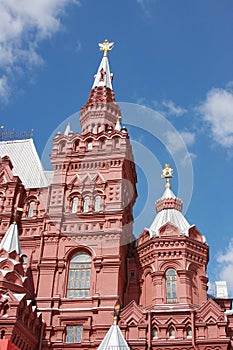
(174, 57)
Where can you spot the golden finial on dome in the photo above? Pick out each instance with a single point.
(167, 174)
(106, 46)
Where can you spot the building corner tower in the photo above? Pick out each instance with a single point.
(89, 221)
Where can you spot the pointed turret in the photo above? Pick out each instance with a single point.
(101, 110)
(114, 338)
(68, 129)
(10, 241)
(169, 208)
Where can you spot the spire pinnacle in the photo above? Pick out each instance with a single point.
(116, 313)
(10, 241)
(118, 123)
(167, 173)
(106, 46)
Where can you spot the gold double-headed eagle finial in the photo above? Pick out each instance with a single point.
(106, 46)
(167, 173)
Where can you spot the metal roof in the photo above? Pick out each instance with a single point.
(114, 339)
(10, 241)
(26, 162)
(103, 76)
(171, 215)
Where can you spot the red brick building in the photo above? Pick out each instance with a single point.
(69, 257)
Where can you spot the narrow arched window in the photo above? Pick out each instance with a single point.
(171, 286)
(76, 145)
(31, 209)
(97, 203)
(79, 276)
(86, 204)
(25, 260)
(62, 146)
(188, 332)
(171, 332)
(74, 205)
(155, 333)
(3, 334)
(116, 143)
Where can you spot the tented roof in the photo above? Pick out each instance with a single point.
(114, 339)
(10, 241)
(103, 76)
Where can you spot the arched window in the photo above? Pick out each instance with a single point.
(86, 204)
(97, 203)
(155, 333)
(89, 145)
(31, 209)
(62, 146)
(188, 332)
(116, 142)
(79, 276)
(3, 334)
(171, 286)
(74, 205)
(76, 145)
(25, 260)
(171, 332)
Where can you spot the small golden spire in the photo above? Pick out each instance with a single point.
(116, 313)
(106, 46)
(167, 174)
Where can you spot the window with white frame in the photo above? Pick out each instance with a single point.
(97, 203)
(79, 276)
(74, 207)
(171, 286)
(86, 203)
(74, 334)
(31, 209)
(89, 146)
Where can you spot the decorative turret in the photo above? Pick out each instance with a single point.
(12, 274)
(114, 338)
(101, 110)
(169, 208)
(10, 241)
(19, 317)
(172, 256)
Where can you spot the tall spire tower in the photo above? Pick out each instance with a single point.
(91, 209)
(101, 111)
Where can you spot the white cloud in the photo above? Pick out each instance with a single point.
(217, 112)
(175, 141)
(4, 89)
(225, 261)
(172, 109)
(23, 24)
(188, 137)
(143, 5)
